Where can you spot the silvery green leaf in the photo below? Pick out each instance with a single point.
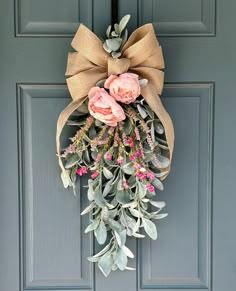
(90, 192)
(92, 259)
(108, 188)
(86, 156)
(130, 205)
(128, 125)
(98, 197)
(114, 34)
(124, 39)
(153, 132)
(138, 235)
(143, 82)
(101, 233)
(88, 208)
(103, 251)
(160, 216)
(106, 48)
(150, 228)
(132, 181)
(128, 168)
(128, 252)
(108, 31)
(114, 43)
(122, 197)
(117, 30)
(161, 174)
(109, 206)
(124, 21)
(86, 138)
(101, 83)
(77, 123)
(104, 213)
(130, 269)
(163, 162)
(115, 225)
(135, 212)
(92, 226)
(159, 128)
(94, 153)
(149, 111)
(120, 184)
(115, 55)
(144, 205)
(142, 190)
(105, 264)
(121, 259)
(145, 200)
(142, 111)
(83, 108)
(114, 267)
(92, 133)
(121, 237)
(137, 225)
(66, 179)
(158, 184)
(71, 160)
(162, 141)
(158, 204)
(107, 173)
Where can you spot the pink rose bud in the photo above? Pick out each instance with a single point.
(82, 170)
(141, 176)
(94, 174)
(104, 107)
(125, 185)
(132, 157)
(150, 188)
(109, 157)
(138, 153)
(150, 175)
(120, 160)
(124, 88)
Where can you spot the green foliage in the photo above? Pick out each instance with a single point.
(116, 38)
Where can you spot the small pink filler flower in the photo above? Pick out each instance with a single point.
(94, 174)
(104, 107)
(124, 88)
(82, 170)
(120, 160)
(150, 188)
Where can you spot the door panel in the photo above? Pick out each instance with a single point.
(42, 244)
(181, 257)
(54, 248)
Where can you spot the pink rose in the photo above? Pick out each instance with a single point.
(104, 107)
(124, 88)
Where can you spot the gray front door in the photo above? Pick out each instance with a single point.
(42, 244)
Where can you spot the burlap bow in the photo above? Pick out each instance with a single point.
(90, 63)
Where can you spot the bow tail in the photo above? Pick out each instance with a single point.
(62, 119)
(154, 101)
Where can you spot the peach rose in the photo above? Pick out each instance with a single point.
(104, 107)
(124, 88)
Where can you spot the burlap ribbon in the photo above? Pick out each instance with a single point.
(90, 63)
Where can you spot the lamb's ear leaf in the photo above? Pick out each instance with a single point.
(124, 21)
(105, 264)
(101, 233)
(150, 228)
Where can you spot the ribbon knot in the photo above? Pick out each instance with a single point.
(90, 63)
(117, 66)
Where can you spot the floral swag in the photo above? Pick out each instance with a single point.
(124, 137)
